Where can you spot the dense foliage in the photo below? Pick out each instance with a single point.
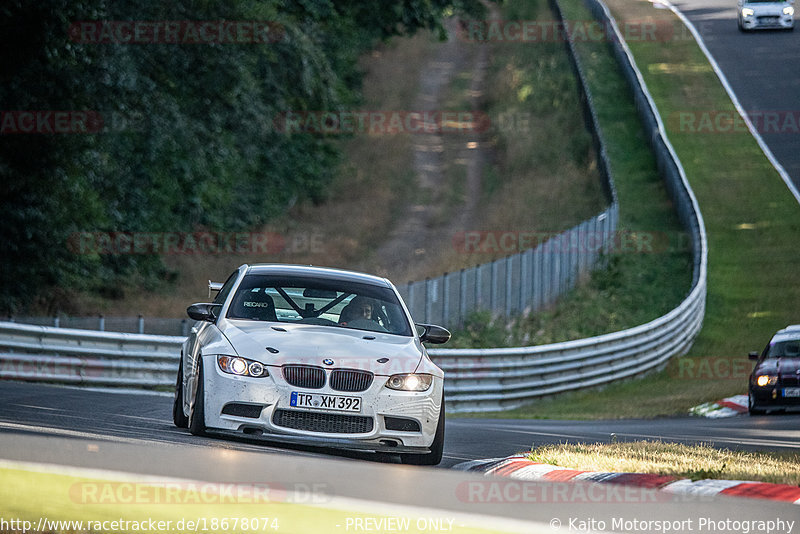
(187, 139)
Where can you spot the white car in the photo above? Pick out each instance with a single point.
(766, 14)
(314, 356)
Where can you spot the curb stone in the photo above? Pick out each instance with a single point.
(520, 468)
(728, 407)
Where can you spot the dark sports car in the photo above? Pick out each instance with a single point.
(775, 380)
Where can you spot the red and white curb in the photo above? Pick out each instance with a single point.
(729, 407)
(520, 468)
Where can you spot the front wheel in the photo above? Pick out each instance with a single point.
(178, 417)
(197, 420)
(437, 447)
(751, 407)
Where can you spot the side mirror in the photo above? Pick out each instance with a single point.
(433, 334)
(753, 355)
(202, 311)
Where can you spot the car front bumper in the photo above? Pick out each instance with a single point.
(768, 398)
(261, 406)
(755, 22)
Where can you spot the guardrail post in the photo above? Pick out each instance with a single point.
(509, 282)
(445, 298)
(523, 280)
(478, 287)
(493, 286)
(56, 321)
(554, 269)
(462, 296)
(141, 324)
(101, 323)
(566, 272)
(566, 259)
(544, 277)
(427, 299)
(184, 327)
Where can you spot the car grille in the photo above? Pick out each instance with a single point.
(304, 376)
(768, 20)
(790, 381)
(350, 380)
(323, 422)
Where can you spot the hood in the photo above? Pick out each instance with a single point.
(766, 8)
(311, 344)
(779, 366)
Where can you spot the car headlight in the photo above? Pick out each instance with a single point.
(788, 10)
(747, 12)
(766, 380)
(241, 366)
(410, 382)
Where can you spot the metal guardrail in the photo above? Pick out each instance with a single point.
(161, 326)
(87, 357)
(477, 379)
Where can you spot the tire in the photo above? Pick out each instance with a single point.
(437, 447)
(197, 419)
(751, 409)
(180, 420)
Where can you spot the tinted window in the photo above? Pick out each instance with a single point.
(226, 288)
(784, 349)
(307, 300)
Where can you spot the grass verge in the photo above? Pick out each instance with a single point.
(695, 462)
(109, 505)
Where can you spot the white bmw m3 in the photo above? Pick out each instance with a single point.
(314, 356)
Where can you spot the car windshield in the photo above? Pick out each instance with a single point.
(784, 349)
(306, 300)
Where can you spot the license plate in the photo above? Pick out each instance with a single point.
(791, 392)
(338, 403)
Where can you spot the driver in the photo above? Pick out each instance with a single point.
(359, 309)
(363, 307)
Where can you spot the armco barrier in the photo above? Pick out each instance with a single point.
(87, 357)
(477, 379)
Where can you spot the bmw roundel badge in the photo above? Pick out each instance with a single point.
(327, 361)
